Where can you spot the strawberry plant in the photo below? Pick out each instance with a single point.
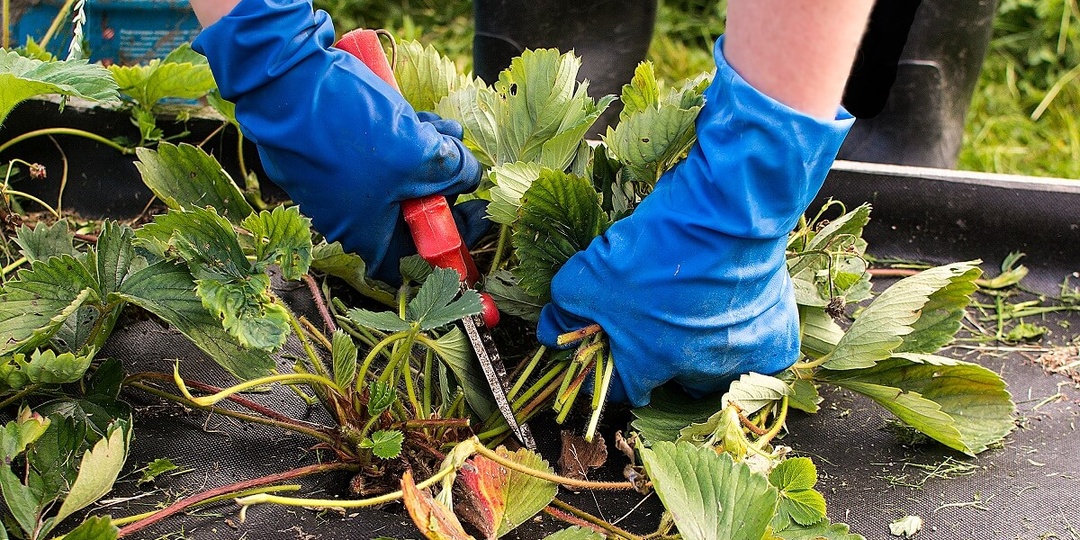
(399, 381)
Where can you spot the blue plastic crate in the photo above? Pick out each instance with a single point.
(117, 31)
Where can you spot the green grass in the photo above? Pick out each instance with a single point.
(1023, 115)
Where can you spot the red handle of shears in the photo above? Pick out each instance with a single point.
(430, 221)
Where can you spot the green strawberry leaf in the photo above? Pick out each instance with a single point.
(43, 367)
(670, 411)
(115, 257)
(709, 496)
(754, 391)
(575, 533)
(560, 215)
(511, 180)
(380, 397)
(880, 329)
(642, 93)
(246, 310)
(504, 288)
(282, 237)
(185, 177)
(201, 238)
(820, 333)
(959, 404)
(384, 444)
(454, 350)
(168, 291)
(183, 74)
(822, 530)
(22, 78)
(940, 317)
(94, 528)
(98, 470)
(343, 355)
(44, 241)
(333, 260)
(35, 305)
(387, 321)
(437, 302)
(799, 501)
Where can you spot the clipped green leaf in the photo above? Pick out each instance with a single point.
(881, 327)
(282, 237)
(155, 469)
(1011, 273)
(959, 404)
(380, 397)
(343, 354)
(184, 74)
(575, 533)
(940, 317)
(435, 304)
(168, 291)
(384, 444)
(829, 262)
(708, 494)
(1025, 332)
(201, 238)
(44, 241)
(502, 499)
(425, 76)
(822, 530)
(670, 411)
(98, 470)
(35, 304)
(22, 78)
(511, 180)
(754, 391)
(842, 231)
(799, 502)
(906, 526)
(387, 321)
(94, 528)
(560, 215)
(223, 106)
(454, 350)
(185, 177)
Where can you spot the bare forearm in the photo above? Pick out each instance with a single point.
(209, 11)
(798, 52)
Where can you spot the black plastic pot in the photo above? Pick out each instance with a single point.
(920, 121)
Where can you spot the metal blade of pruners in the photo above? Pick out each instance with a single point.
(439, 242)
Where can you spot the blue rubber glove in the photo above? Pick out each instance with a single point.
(693, 286)
(341, 142)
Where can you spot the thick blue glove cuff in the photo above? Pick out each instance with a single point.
(341, 142)
(693, 286)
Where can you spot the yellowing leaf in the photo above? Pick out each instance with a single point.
(98, 470)
(503, 499)
(435, 521)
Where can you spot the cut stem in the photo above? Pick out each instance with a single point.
(587, 517)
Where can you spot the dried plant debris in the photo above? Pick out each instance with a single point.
(1062, 361)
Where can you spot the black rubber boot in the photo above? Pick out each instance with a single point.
(611, 37)
(921, 120)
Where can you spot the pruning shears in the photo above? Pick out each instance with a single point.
(439, 242)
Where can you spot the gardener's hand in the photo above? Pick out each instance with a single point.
(341, 142)
(693, 286)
